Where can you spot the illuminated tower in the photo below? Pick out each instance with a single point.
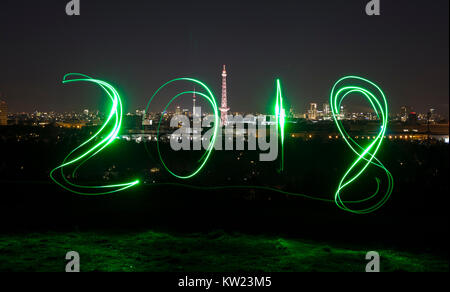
(193, 100)
(224, 109)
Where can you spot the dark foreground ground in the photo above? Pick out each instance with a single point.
(169, 229)
(215, 252)
(155, 227)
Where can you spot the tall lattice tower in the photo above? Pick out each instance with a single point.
(193, 108)
(224, 109)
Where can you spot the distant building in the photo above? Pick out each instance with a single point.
(326, 109)
(412, 118)
(343, 113)
(3, 113)
(178, 111)
(132, 122)
(404, 113)
(432, 116)
(291, 112)
(312, 112)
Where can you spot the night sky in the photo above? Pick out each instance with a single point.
(138, 45)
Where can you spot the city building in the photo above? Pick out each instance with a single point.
(312, 112)
(412, 118)
(326, 110)
(404, 113)
(3, 113)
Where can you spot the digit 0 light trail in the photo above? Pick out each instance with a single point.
(88, 149)
(212, 101)
(366, 156)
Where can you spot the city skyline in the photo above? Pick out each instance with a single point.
(307, 45)
(312, 111)
(355, 107)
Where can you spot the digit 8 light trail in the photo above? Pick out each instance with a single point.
(365, 155)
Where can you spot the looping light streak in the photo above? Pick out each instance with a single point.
(212, 101)
(365, 155)
(77, 157)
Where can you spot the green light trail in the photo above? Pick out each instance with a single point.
(368, 154)
(78, 157)
(341, 89)
(212, 101)
(280, 115)
(365, 155)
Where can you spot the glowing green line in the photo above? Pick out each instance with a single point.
(366, 156)
(77, 160)
(280, 115)
(263, 188)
